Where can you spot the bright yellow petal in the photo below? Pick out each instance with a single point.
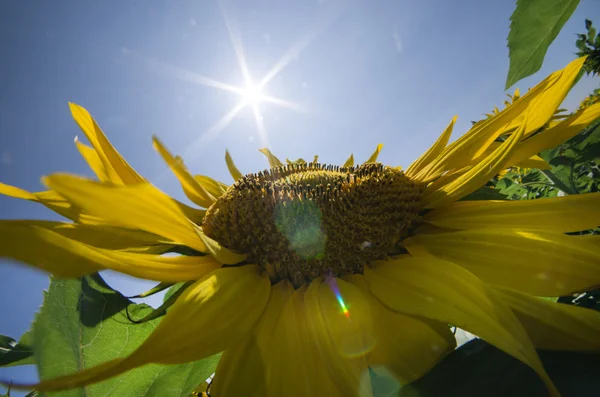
(534, 161)
(556, 135)
(406, 346)
(552, 325)
(91, 157)
(233, 170)
(135, 206)
(211, 315)
(118, 170)
(242, 370)
(558, 214)
(65, 251)
(540, 103)
(273, 161)
(53, 201)
(192, 189)
(16, 192)
(375, 154)
(535, 262)
(349, 162)
(99, 236)
(448, 293)
(476, 176)
(214, 188)
(339, 318)
(433, 152)
(297, 369)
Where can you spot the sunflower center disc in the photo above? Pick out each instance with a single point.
(302, 221)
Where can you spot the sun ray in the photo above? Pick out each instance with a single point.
(252, 94)
(165, 69)
(284, 104)
(216, 128)
(260, 126)
(209, 134)
(325, 20)
(236, 43)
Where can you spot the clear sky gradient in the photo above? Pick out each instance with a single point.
(349, 74)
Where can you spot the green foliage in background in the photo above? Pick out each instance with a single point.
(534, 26)
(589, 45)
(575, 170)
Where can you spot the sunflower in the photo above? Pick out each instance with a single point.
(306, 275)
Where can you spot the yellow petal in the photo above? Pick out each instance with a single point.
(406, 346)
(476, 176)
(534, 161)
(296, 368)
(341, 326)
(448, 293)
(540, 102)
(552, 325)
(65, 251)
(349, 162)
(192, 189)
(233, 170)
(16, 192)
(536, 262)
(273, 161)
(433, 152)
(91, 157)
(375, 154)
(556, 135)
(195, 215)
(214, 188)
(118, 170)
(242, 370)
(53, 201)
(211, 315)
(558, 214)
(222, 254)
(99, 236)
(135, 206)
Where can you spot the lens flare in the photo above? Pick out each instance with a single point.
(336, 290)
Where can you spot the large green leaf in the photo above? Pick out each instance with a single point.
(83, 323)
(535, 24)
(16, 353)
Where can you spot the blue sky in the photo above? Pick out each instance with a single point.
(352, 73)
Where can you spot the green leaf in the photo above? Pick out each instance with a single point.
(534, 25)
(14, 353)
(581, 45)
(152, 291)
(83, 323)
(479, 369)
(485, 193)
(171, 291)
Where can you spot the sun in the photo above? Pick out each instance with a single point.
(252, 94)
